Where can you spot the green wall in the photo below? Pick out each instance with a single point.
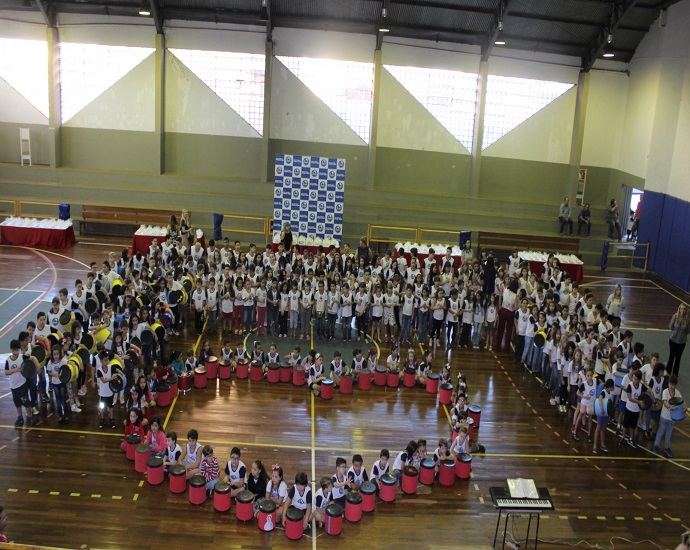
(422, 171)
(96, 149)
(220, 156)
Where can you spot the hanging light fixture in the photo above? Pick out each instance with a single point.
(144, 10)
(383, 27)
(263, 15)
(500, 40)
(608, 50)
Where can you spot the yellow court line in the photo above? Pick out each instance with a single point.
(5, 395)
(20, 289)
(167, 416)
(668, 292)
(63, 430)
(450, 421)
(313, 456)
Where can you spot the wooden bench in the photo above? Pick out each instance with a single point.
(119, 217)
(537, 243)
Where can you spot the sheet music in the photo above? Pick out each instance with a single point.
(522, 488)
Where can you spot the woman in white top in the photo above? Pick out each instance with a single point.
(506, 314)
(615, 304)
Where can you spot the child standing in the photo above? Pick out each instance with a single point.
(490, 321)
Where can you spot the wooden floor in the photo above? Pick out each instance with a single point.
(71, 486)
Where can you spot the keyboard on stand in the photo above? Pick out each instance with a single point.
(527, 503)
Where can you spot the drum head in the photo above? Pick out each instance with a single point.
(28, 369)
(88, 342)
(676, 401)
(389, 479)
(245, 497)
(39, 354)
(353, 497)
(91, 305)
(368, 488)
(177, 470)
(65, 374)
(147, 337)
(294, 514)
(267, 506)
(187, 285)
(65, 317)
(334, 510)
(102, 297)
(646, 401)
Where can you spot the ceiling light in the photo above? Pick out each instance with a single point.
(263, 15)
(608, 51)
(500, 40)
(145, 13)
(384, 22)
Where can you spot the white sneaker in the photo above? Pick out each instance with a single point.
(75, 409)
(35, 410)
(82, 391)
(553, 401)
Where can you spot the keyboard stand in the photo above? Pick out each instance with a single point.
(533, 514)
(506, 513)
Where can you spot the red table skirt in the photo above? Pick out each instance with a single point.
(575, 270)
(141, 243)
(38, 237)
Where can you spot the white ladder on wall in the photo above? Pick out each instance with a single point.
(25, 145)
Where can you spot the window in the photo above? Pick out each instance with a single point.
(24, 65)
(450, 96)
(346, 87)
(511, 101)
(87, 70)
(237, 78)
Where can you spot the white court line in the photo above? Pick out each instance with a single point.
(21, 290)
(31, 303)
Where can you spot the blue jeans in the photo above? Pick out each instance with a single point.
(476, 334)
(422, 324)
(346, 323)
(537, 355)
(272, 319)
(405, 322)
(665, 429)
(527, 352)
(211, 484)
(248, 317)
(320, 323)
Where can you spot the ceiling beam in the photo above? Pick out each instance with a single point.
(570, 21)
(157, 16)
(598, 43)
(441, 6)
(499, 15)
(48, 12)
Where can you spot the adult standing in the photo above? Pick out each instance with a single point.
(584, 218)
(363, 251)
(613, 217)
(506, 314)
(286, 237)
(564, 215)
(186, 230)
(680, 327)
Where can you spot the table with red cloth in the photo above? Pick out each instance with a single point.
(141, 243)
(457, 260)
(575, 270)
(37, 236)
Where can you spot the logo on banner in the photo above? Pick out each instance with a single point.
(312, 216)
(312, 195)
(287, 182)
(330, 196)
(288, 160)
(286, 204)
(306, 161)
(322, 207)
(314, 173)
(331, 174)
(304, 205)
(341, 163)
(277, 214)
(296, 172)
(339, 185)
(319, 228)
(303, 227)
(330, 218)
(295, 194)
(324, 162)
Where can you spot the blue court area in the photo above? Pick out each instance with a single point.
(14, 314)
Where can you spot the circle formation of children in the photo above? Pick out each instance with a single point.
(111, 333)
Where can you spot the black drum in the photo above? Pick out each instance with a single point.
(267, 506)
(117, 385)
(28, 369)
(91, 305)
(88, 342)
(647, 401)
(102, 297)
(65, 374)
(147, 337)
(245, 497)
(39, 355)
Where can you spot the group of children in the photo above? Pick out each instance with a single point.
(201, 459)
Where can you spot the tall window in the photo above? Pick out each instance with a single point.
(450, 96)
(237, 78)
(88, 70)
(24, 65)
(511, 101)
(346, 87)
